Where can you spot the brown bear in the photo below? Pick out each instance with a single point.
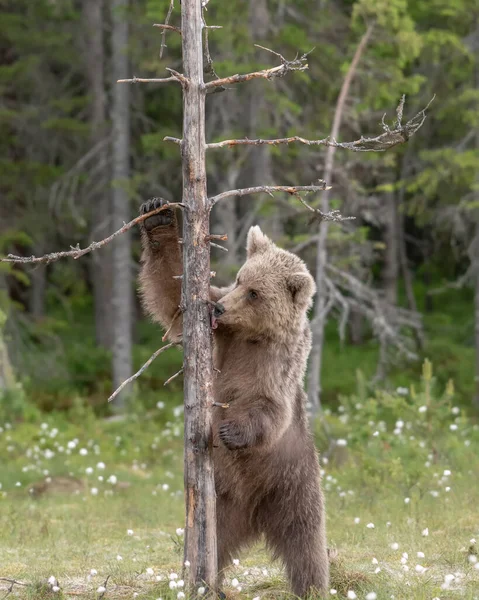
(267, 474)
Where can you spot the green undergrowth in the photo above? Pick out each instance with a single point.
(88, 500)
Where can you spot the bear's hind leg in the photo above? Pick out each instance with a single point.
(234, 532)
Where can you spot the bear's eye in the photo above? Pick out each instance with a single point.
(252, 294)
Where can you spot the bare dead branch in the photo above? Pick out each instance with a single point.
(173, 139)
(333, 215)
(13, 583)
(217, 236)
(219, 247)
(286, 66)
(140, 371)
(389, 138)
(179, 76)
(173, 376)
(78, 252)
(167, 28)
(143, 80)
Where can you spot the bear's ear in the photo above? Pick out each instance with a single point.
(257, 242)
(302, 288)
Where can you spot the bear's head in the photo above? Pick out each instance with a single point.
(273, 291)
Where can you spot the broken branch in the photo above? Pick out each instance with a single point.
(140, 371)
(389, 138)
(143, 80)
(298, 64)
(173, 376)
(78, 252)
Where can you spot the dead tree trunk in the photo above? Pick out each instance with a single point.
(200, 530)
(320, 313)
(122, 293)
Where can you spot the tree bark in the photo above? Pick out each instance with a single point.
(121, 247)
(200, 529)
(320, 314)
(101, 209)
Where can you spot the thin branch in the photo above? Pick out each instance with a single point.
(105, 583)
(143, 368)
(222, 237)
(78, 252)
(298, 64)
(172, 139)
(13, 583)
(168, 28)
(388, 139)
(219, 247)
(142, 80)
(173, 376)
(181, 78)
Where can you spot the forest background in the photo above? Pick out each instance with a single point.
(401, 276)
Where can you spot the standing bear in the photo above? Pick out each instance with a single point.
(267, 473)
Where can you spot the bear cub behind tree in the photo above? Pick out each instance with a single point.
(266, 466)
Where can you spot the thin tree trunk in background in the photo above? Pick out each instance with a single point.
(37, 291)
(476, 300)
(101, 211)
(320, 315)
(7, 377)
(200, 497)
(391, 266)
(121, 247)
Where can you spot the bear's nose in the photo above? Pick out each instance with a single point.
(218, 310)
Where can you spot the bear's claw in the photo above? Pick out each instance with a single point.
(232, 436)
(161, 219)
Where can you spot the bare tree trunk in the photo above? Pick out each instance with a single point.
(200, 497)
(101, 262)
(320, 313)
(391, 266)
(121, 247)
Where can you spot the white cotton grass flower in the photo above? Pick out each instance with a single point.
(83, 451)
(357, 520)
(55, 588)
(101, 465)
(112, 479)
(351, 595)
(425, 532)
(150, 571)
(180, 595)
(472, 558)
(371, 596)
(420, 569)
(89, 470)
(377, 570)
(187, 563)
(172, 585)
(476, 566)
(333, 592)
(119, 557)
(407, 500)
(236, 562)
(422, 409)
(370, 525)
(472, 541)
(201, 591)
(235, 582)
(94, 491)
(453, 427)
(101, 589)
(173, 576)
(180, 583)
(420, 554)
(375, 561)
(455, 410)
(394, 546)
(129, 532)
(341, 442)
(52, 580)
(447, 473)
(180, 531)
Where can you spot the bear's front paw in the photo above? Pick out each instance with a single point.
(161, 219)
(232, 436)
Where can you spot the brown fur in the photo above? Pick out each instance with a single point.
(266, 466)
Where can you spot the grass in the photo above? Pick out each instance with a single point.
(82, 522)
